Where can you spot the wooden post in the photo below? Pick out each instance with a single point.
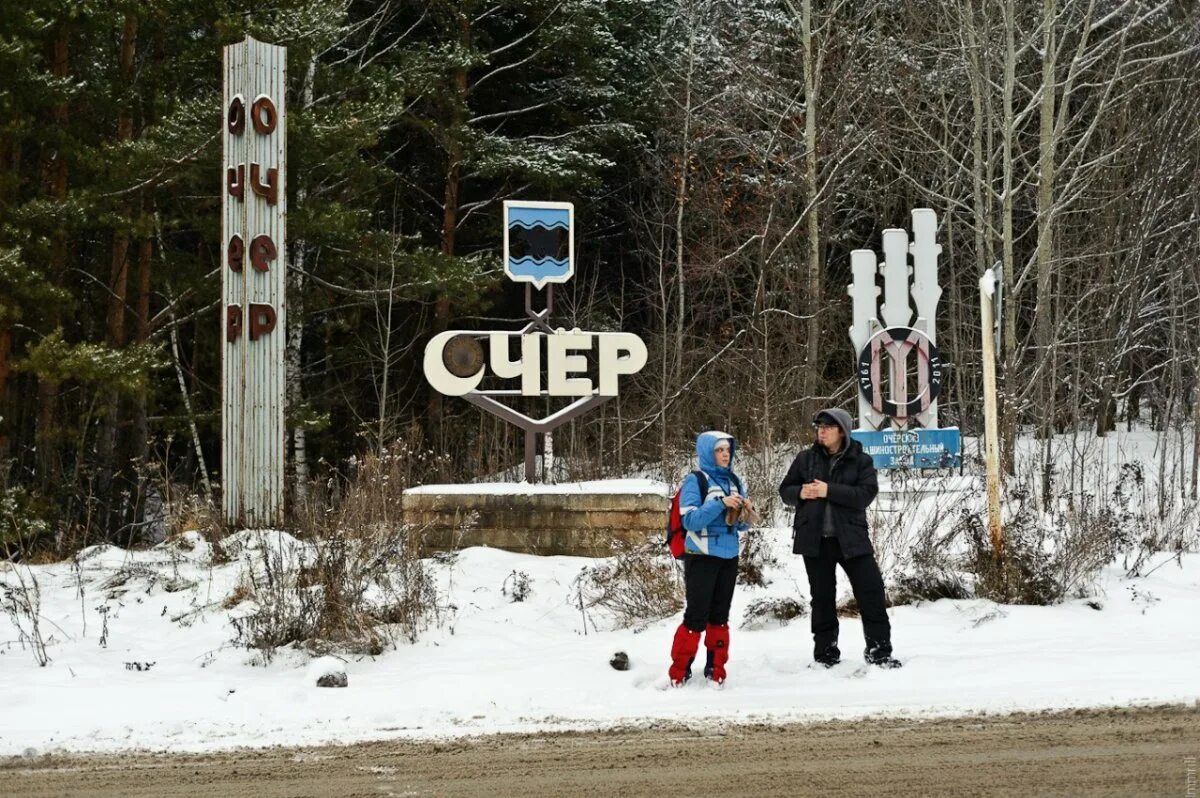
(987, 287)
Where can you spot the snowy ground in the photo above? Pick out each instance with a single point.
(495, 665)
(140, 651)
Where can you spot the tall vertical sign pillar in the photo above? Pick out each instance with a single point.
(253, 240)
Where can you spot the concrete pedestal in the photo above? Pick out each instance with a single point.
(580, 518)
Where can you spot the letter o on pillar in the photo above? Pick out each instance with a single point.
(463, 356)
(262, 115)
(236, 118)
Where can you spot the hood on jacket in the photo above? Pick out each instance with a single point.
(706, 444)
(840, 417)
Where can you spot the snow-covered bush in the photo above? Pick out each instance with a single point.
(21, 601)
(1161, 527)
(285, 610)
(357, 585)
(932, 540)
(517, 586)
(927, 584)
(932, 570)
(353, 592)
(1046, 557)
(639, 585)
(188, 512)
(22, 522)
(777, 611)
(756, 558)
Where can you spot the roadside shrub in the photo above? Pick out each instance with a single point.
(927, 585)
(357, 585)
(354, 593)
(1046, 557)
(765, 612)
(636, 586)
(517, 586)
(21, 601)
(932, 570)
(756, 558)
(192, 512)
(848, 608)
(1022, 574)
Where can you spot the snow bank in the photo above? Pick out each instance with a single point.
(498, 665)
(141, 658)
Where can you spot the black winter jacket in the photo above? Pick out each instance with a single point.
(852, 488)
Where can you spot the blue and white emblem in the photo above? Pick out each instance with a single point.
(539, 242)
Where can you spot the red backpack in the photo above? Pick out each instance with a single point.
(676, 534)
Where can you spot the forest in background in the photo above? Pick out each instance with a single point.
(724, 158)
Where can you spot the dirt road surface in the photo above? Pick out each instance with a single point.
(1121, 752)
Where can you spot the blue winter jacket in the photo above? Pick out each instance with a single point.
(704, 516)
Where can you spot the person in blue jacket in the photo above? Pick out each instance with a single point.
(710, 559)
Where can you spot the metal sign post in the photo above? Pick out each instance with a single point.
(253, 241)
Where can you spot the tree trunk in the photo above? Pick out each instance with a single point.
(977, 83)
(5, 370)
(1008, 405)
(106, 442)
(294, 361)
(1047, 351)
(685, 154)
(187, 405)
(812, 345)
(450, 204)
(140, 434)
(10, 162)
(54, 186)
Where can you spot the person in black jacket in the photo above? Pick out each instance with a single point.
(831, 485)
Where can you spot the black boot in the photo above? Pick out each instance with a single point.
(708, 665)
(828, 656)
(881, 656)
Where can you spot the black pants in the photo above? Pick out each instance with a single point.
(867, 583)
(708, 583)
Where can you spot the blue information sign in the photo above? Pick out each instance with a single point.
(912, 448)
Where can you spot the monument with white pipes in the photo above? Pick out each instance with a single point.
(900, 376)
(579, 370)
(899, 370)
